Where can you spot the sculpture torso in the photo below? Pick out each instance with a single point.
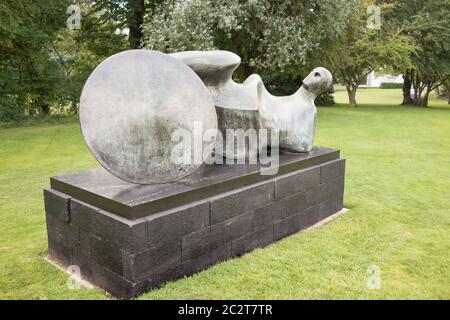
(294, 116)
(250, 106)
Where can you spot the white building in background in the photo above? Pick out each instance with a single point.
(375, 82)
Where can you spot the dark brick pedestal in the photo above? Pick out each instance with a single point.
(99, 223)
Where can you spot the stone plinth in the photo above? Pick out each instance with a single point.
(129, 238)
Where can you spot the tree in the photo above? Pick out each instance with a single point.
(426, 23)
(430, 27)
(28, 73)
(274, 38)
(79, 51)
(125, 15)
(447, 88)
(396, 15)
(43, 65)
(361, 50)
(135, 22)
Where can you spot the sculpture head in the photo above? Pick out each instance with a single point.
(319, 80)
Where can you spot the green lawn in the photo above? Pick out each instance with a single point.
(397, 190)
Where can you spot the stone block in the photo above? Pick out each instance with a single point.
(201, 242)
(57, 204)
(235, 227)
(106, 279)
(313, 196)
(83, 244)
(132, 235)
(62, 237)
(266, 216)
(290, 225)
(153, 262)
(328, 208)
(330, 170)
(199, 263)
(241, 200)
(173, 224)
(162, 276)
(106, 254)
(343, 163)
(297, 182)
(293, 204)
(68, 231)
(58, 250)
(313, 215)
(257, 239)
(334, 186)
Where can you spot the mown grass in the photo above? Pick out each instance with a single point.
(397, 190)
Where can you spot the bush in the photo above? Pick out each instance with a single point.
(391, 85)
(39, 121)
(326, 98)
(282, 85)
(443, 91)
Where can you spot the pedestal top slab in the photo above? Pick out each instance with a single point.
(99, 188)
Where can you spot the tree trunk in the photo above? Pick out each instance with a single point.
(418, 95)
(447, 87)
(407, 85)
(423, 100)
(135, 22)
(351, 91)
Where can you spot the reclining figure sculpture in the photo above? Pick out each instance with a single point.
(250, 105)
(134, 102)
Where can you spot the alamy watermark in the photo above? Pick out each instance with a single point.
(374, 19)
(74, 19)
(239, 146)
(74, 280)
(374, 279)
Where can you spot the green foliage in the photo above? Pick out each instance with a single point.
(427, 24)
(282, 85)
(325, 99)
(274, 38)
(123, 14)
(444, 90)
(78, 52)
(28, 73)
(391, 85)
(40, 121)
(430, 27)
(43, 65)
(360, 50)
